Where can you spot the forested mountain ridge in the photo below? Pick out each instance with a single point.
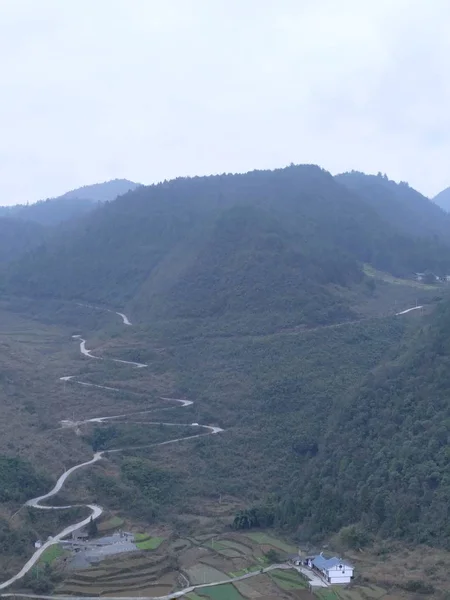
(220, 245)
(70, 205)
(400, 205)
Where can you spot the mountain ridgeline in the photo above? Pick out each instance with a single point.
(275, 245)
(70, 205)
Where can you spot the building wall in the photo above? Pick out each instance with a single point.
(340, 576)
(340, 579)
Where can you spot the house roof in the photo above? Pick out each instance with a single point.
(322, 563)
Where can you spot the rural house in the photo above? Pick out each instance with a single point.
(334, 569)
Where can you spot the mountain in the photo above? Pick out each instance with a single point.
(267, 298)
(400, 205)
(70, 205)
(443, 199)
(231, 247)
(17, 237)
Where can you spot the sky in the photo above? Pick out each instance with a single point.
(92, 90)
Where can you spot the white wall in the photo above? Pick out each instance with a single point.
(339, 578)
(336, 575)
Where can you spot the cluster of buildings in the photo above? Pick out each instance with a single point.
(333, 570)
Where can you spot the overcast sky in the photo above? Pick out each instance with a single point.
(92, 90)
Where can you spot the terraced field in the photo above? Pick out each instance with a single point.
(288, 580)
(136, 572)
(267, 540)
(205, 559)
(221, 592)
(202, 573)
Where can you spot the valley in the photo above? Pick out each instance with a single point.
(212, 369)
(159, 406)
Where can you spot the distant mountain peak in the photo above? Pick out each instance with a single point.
(71, 205)
(102, 192)
(443, 199)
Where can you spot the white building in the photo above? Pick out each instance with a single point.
(37, 544)
(334, 570)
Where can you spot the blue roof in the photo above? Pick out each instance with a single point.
(322, 563)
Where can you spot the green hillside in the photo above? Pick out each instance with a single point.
(274, 245)
(382, 459)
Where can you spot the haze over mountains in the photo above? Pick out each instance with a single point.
(25, 226)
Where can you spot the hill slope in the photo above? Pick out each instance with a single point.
(383, 457)
(17, 237)
(227, 247)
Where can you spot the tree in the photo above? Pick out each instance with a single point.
(92, 528)
(272, 556)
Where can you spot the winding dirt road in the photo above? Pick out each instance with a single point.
(96, 510)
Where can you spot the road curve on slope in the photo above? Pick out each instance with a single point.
(125, 319)
(96, 510)
(404, 312)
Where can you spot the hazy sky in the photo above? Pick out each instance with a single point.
(151, 89)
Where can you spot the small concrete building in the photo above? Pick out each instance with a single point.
(334, 569)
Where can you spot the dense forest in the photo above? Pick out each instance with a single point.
(380, 463)
(17, 237)
(266, 246)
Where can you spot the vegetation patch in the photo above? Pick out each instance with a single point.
(149, 543)
(328, 593)
(371, 272)
(288, 580)
(199, 574)
(235, 546)
(51, 554)
(241, 572)
(226, 591)
(111, 523)
(263, 538)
